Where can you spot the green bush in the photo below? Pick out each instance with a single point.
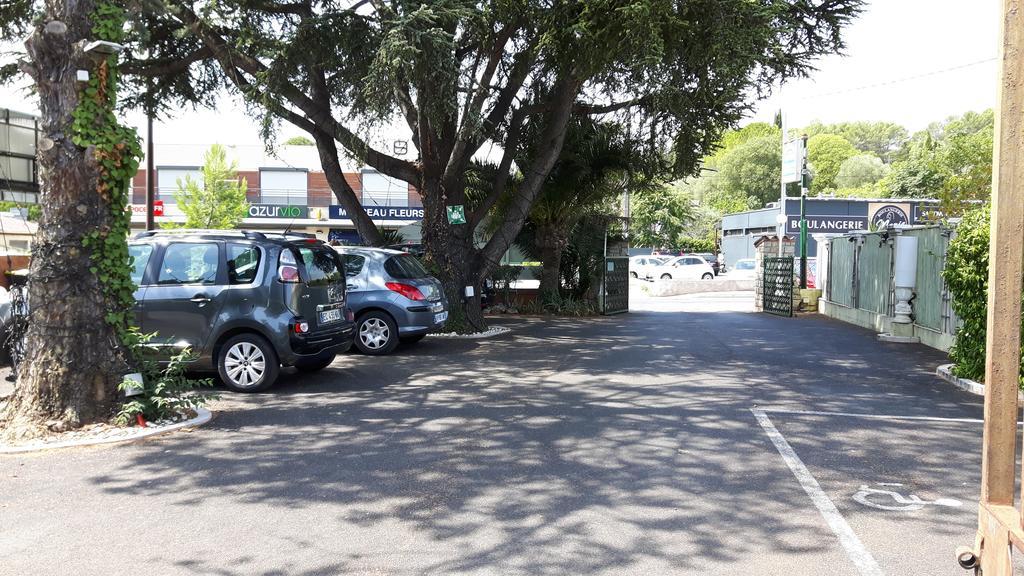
(167, 391)
(966, 275)
(688, 244)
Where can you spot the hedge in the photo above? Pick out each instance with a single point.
(966, 275)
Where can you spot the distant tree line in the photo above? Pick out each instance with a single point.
(950, 160)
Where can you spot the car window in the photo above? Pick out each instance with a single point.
(243, 263)
(140, 254)
(405, 266)
(189, 263)
(353, 264)
(692, 261)
(321, 266)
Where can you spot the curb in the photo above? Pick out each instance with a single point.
(489, 333)
(202, 417)
(945, 372)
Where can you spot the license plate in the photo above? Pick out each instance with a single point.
(328, 316)
(438, 318)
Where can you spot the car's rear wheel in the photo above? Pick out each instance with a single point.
(633, 275)
(248, 363)
(707, 276)
(666, 276)
(317, 363)
(412, 339)
(376, 333)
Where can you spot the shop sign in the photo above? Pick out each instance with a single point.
(410, 213)
(827, 224)
(884, 215)
(278, 211)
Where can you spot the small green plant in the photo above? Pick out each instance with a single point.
(966, 275)
(166, 391)
(561, 306)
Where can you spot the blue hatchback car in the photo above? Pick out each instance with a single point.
(393, 297)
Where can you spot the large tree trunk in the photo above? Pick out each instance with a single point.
(551, 243)
(74, 360)
(450, 247)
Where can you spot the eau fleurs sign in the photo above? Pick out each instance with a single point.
(410, 213)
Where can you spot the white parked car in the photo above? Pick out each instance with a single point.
(689, 267)
(744, 269)
(640, 266)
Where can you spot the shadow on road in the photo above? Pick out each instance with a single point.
(577, 446)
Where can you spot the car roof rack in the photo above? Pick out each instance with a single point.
(253, 235)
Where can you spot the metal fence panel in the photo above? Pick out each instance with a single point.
(929, 298)
(778, 285)
(842, 256)
(874, 274)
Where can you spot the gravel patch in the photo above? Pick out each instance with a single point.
(489, 333)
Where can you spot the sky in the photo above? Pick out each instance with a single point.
(911, 62)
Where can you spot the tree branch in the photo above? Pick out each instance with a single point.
(231, 59)
(551, 141)
(165, 66)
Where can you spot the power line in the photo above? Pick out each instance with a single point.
(900, 80)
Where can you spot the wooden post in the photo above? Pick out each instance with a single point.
(998, 523)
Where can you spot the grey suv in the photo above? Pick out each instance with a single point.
(246, 303)
(393, 297)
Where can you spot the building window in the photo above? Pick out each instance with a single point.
(169, 179)
(284, 187)
(380, 190)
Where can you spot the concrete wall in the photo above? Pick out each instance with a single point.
(680, 287)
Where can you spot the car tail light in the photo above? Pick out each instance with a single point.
(410, 292)
(301, 327)
(287, 269)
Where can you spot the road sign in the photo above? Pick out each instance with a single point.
(792, 160)
(456, 214)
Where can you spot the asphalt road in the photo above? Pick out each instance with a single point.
(635, 444)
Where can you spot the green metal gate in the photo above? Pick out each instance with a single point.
(777, 286)
(615, 286)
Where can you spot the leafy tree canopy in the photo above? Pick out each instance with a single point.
(218, 202)
(299, 141)
(752, 171)
(825, 155)
(861, 170)
(883, 139)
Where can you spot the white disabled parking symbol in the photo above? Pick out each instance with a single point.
(886, 498)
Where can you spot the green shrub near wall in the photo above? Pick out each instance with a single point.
(966, 275)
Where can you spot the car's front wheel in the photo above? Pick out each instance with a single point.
(633, 275)
(248, 363)
(376, 333)
(707, 276)
(666, 276)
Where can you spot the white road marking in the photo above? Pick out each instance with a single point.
(872, 416)
(859, 555)
(902, 503)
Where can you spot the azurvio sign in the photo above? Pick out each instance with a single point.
(277, 211)
(410, 213)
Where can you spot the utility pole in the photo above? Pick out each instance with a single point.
(150, 173)
(804, 175)
(1000, 528)
(782, 189)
